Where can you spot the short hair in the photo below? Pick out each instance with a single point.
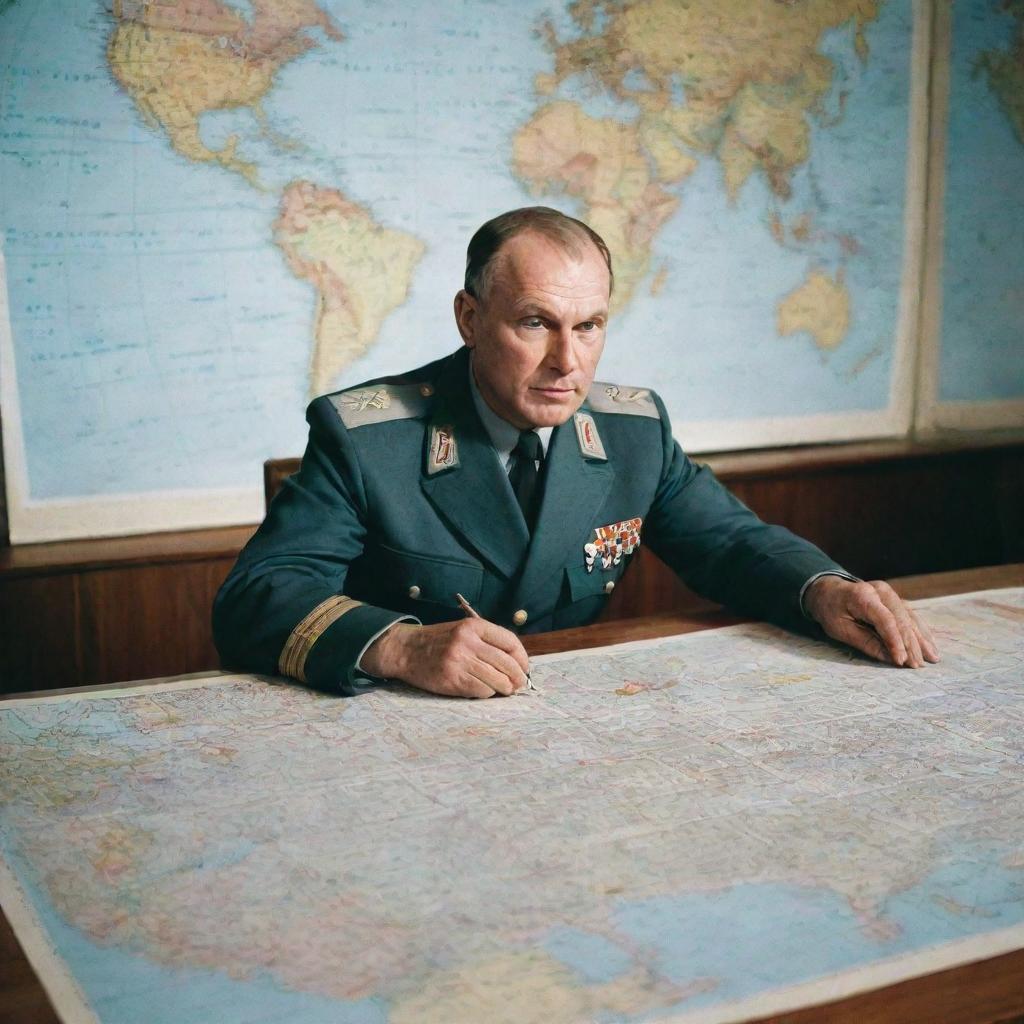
(568, 232)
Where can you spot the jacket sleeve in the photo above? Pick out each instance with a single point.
(282, 609)
(723, 550)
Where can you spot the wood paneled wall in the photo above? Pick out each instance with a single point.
(881, 510)
(83, 612)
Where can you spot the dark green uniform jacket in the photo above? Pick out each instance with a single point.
(401, 503)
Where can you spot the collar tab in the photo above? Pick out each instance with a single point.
(591, 446)
(443, 450)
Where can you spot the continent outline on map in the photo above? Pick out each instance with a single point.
(720, 100)
(181, 59)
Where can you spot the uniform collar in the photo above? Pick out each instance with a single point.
(468, 486)
(474, 495)
(504, 436)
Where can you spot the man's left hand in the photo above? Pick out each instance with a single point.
(872, 618)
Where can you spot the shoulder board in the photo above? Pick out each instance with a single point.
(382, 403)
(621, 398)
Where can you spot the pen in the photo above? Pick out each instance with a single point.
(474, 614)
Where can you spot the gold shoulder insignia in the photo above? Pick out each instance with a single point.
(620, 398)
(381, 403)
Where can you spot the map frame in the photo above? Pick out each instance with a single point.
(932, 415)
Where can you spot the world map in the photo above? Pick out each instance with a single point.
(672, 830)
(749, 88)
(215, 209)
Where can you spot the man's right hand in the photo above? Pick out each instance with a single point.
(468, 658)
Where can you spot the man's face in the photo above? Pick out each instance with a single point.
(538, 333)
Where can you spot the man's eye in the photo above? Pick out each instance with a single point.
(588, 325)
(533, 321)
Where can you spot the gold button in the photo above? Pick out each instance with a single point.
(520, 617)
(609, 586)
(414, 591)
(426, 390)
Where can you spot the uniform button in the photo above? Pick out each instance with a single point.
(520, 617)
(414, 591)
(609, 586)
(426, 390)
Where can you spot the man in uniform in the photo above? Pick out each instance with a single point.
(506, 474)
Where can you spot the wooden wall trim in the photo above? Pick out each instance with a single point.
(811, 459)
(146, 549)
(729, 467)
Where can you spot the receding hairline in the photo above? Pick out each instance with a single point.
(505, 259)
(489, 242)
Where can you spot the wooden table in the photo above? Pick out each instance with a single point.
(986, 992)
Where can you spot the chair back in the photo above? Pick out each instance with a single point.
(275, 472)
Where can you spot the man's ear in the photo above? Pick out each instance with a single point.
(465, 317)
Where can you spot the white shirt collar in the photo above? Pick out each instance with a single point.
(504, 436)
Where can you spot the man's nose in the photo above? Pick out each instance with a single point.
(562, 351)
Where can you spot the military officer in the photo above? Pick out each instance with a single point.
(504, 473)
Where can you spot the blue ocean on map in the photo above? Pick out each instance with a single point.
(736, 366)
(126, 988)
(744, 940)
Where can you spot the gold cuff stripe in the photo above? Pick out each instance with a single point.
(301, 639)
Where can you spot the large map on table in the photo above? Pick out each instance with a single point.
(685, 829)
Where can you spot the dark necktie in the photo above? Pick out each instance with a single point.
(523, 474)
